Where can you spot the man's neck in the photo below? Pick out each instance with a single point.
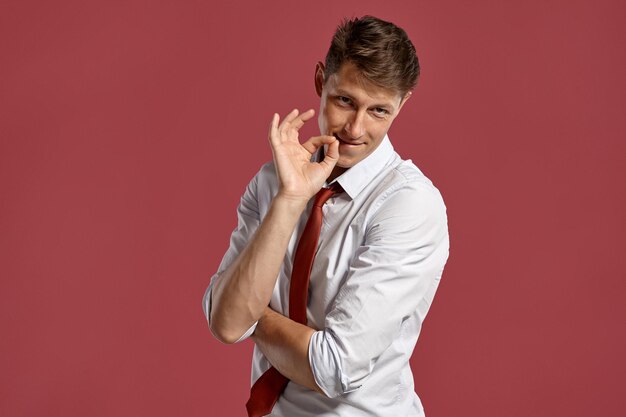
(337, 171)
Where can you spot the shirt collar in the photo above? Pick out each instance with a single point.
(354, 179)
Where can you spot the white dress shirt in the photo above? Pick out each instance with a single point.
(382, 248)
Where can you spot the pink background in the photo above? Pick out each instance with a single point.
(129, 129)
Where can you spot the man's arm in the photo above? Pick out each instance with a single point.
(285, 344)
(243, 290)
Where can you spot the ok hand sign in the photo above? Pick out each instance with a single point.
(300, 179)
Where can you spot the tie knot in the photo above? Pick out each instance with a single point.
(325, 193)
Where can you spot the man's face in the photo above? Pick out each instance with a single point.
(356, 112)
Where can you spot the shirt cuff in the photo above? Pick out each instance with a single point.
(325, 364)
(206, 307)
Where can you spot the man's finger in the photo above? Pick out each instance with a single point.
(315, 142)
(331, 156)
(300, 120)
(297, 121)
(290, 117)
(332, 153)
(273, 134)
(287, 121)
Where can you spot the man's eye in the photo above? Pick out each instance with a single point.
(343, 100)
(380, 111)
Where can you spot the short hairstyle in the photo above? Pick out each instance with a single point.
(380, 50)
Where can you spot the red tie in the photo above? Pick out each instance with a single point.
(266, 390)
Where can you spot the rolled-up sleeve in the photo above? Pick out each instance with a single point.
(392, 275)
(248, 220)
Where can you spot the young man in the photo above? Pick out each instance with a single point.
(339, 344)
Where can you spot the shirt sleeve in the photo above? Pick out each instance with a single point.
(397, 267)
(248, 220)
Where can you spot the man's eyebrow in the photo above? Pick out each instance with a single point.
(340, 92)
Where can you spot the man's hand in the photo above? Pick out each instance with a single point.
(300, 179)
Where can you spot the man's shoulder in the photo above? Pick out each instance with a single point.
(266, 176)
(267, 170)
(406, 199)
(263, 185)
(406, 179)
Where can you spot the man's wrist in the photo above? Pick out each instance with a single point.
(293, 205)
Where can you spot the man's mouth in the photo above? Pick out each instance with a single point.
(344, 142)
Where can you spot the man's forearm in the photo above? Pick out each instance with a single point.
(243, 291)
(285, 343)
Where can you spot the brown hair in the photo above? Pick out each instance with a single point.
(380, 50)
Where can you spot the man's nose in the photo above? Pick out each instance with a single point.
(355, 127)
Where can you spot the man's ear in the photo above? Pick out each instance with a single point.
(319, 78)
(404, 99)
